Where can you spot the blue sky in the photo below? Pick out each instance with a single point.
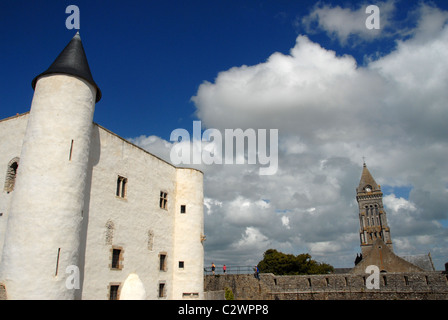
(149, 57)
(379, 94)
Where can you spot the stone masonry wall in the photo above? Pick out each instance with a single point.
(393, 286)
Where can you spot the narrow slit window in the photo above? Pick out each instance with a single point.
(71, 151)
(183, 208)
(57, 262)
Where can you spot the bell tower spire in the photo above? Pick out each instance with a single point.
(372, 216)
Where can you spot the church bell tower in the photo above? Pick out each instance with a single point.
(372, 216)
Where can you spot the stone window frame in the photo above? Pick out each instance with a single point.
(122, 187)
(120, 258)
(163, 265)
(162, 290)
(109, 288)
(163, 200)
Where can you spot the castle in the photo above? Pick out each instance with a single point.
(85, 214)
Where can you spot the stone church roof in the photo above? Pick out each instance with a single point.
(423, 261)
(381, 256)
(72, 61)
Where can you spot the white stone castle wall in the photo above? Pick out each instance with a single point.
(134, 217)
(141, 228)
(12, 131)
(43, 226)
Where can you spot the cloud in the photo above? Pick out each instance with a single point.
(346, 24)
(154, 145)
(330, 112)
(397, 204)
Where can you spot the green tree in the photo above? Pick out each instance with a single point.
(280, 263)
(229, 294)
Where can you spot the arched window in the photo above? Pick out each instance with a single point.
(11, 173)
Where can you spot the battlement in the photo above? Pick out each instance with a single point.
(393, 286)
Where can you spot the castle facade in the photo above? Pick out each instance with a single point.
(85, 214)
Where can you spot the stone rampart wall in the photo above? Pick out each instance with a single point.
(393, 286)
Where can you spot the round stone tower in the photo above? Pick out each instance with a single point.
(43, 231)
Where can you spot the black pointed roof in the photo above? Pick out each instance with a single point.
(73, 61)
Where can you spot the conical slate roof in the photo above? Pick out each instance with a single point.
(73, 61)
(367, 179)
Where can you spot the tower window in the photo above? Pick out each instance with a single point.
(117, 258)
(162, 262)
(121, 187)
(183, 208)
(71, 151)
(11, 174)
(163, 200)
(113, 291)
(161, 289)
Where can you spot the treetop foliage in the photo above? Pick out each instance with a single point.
(280, 263)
